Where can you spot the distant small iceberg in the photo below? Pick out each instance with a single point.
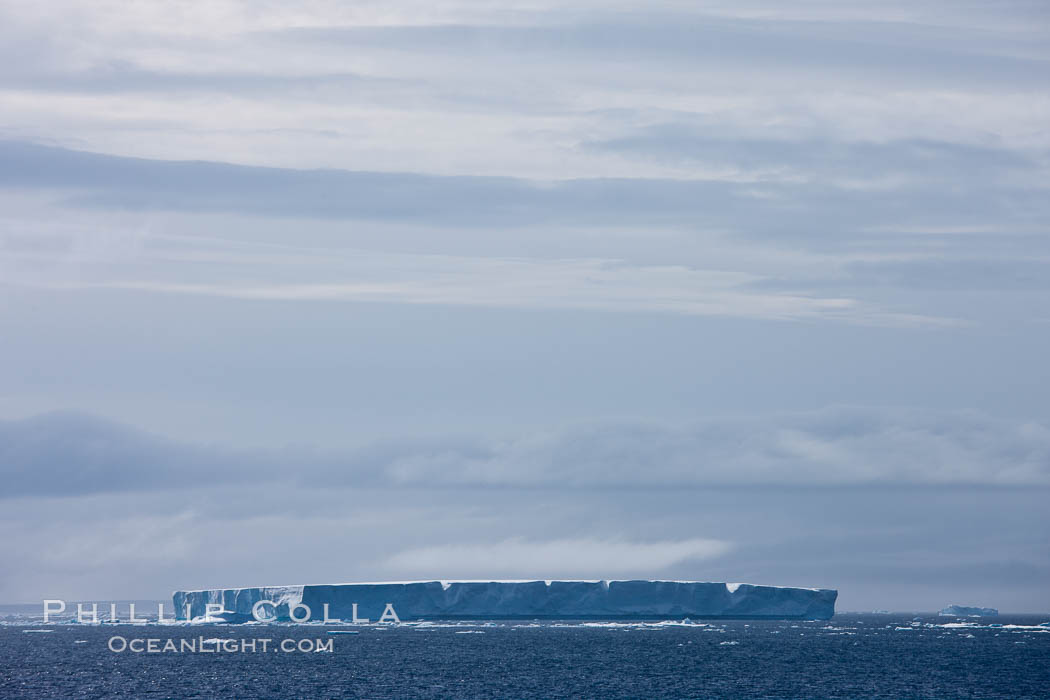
(965, 611)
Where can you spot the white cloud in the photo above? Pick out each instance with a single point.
(594, 285)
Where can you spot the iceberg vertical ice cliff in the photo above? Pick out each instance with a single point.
(422, 600)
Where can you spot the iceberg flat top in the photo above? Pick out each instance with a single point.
(548, 581)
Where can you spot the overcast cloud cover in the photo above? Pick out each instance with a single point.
(330, 291)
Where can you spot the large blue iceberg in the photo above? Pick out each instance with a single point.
(428, 600)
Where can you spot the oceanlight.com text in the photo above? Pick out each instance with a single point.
(200, 645)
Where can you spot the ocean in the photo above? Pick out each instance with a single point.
(850, 656)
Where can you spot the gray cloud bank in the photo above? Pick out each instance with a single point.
(819, 159)
(65, 453)
(785, 249)
(809, 209)
(815, 244)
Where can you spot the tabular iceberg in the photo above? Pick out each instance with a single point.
(426, 600)
(967, 611)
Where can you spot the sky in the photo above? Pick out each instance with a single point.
(323, 291)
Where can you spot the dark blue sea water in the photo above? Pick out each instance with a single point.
(852, 656)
